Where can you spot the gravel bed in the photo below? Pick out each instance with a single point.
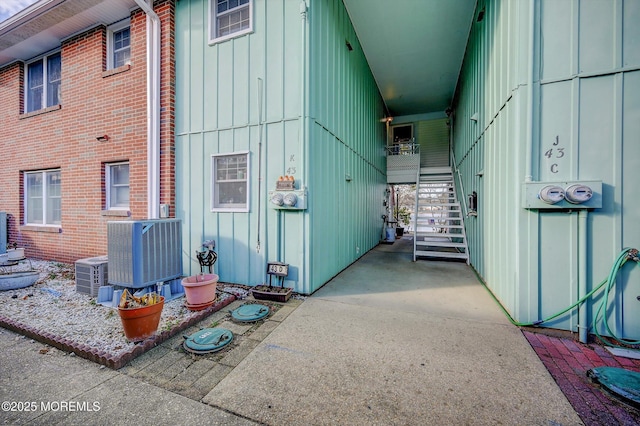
(52, 307)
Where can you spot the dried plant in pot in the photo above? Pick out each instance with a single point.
(140, 316)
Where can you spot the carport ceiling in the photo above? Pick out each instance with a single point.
(414, 48)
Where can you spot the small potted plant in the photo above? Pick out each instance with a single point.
(140, 316)
(403, 215)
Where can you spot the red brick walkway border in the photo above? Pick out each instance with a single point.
(568, 362)
(103, 357)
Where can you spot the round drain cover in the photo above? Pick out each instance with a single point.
(208, 340)
(250, 312)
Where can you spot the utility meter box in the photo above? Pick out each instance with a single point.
(288, 200)
(286, 196)
(567, 195)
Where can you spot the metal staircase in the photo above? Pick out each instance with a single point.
(439, 226)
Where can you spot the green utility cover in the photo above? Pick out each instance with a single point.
(250, 312)
(208, 340)
(622, 383)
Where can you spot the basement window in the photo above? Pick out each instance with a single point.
(229, 18)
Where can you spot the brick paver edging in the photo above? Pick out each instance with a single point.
(568, 361)
(103, 357)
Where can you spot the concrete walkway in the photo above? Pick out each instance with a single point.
(388, 341)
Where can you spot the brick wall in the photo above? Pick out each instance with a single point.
(94, 102)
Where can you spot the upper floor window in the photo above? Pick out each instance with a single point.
(229, 18)
(119, 45)
(230, 186)
(42, 197)
(43, 82)
(117, 185)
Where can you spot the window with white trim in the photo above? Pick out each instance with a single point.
(42, 197)
(230, 182)
(42, 88)
(229, 18)
(117, 186)
(119, 44)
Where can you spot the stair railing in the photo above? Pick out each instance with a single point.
(456, 171)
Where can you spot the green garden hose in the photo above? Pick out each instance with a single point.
(621, 259)
(602, 309)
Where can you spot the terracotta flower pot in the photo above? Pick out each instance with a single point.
(200, 289)
(140, 323)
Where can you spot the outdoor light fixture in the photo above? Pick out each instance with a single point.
(103, 138)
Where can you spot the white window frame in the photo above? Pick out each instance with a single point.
(45, 83)
(44, 196)
(213, 22)
(216, 206)
(111, 42)
(108, 185)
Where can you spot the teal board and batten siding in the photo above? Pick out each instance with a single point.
(489, 133)
(320, 122)
(347, 166)
(585, 104)
(433, 138)
(217, 92)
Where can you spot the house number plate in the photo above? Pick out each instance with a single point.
(278, 269)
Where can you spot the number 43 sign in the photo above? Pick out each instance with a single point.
(278, 269)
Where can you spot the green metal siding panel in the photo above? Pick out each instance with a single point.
(219, 114)
(346, 138)
(433, 137)
(586, 92)
(217, 95)
(488, 152)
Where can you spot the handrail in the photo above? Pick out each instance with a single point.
(415, 214)
(457, 171)
(407, 148)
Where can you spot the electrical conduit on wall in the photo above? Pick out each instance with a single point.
(153, 109)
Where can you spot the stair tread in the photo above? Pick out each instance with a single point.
(450, 254)
(444, 225)
(439, 209)
(438, 234)
(440, 244)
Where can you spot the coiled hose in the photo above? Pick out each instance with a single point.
(608, 283)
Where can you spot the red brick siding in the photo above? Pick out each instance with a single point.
(93, 103)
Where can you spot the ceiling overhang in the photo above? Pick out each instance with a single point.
(414, 48)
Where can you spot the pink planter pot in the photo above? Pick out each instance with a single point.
(200, 289)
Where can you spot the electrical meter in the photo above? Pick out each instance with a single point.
(290, 199)
(578, 194)
(551, 194)
(277, 199)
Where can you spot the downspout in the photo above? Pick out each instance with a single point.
(303, 129)
(153, 109)
(531, 52)
(582, 274)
